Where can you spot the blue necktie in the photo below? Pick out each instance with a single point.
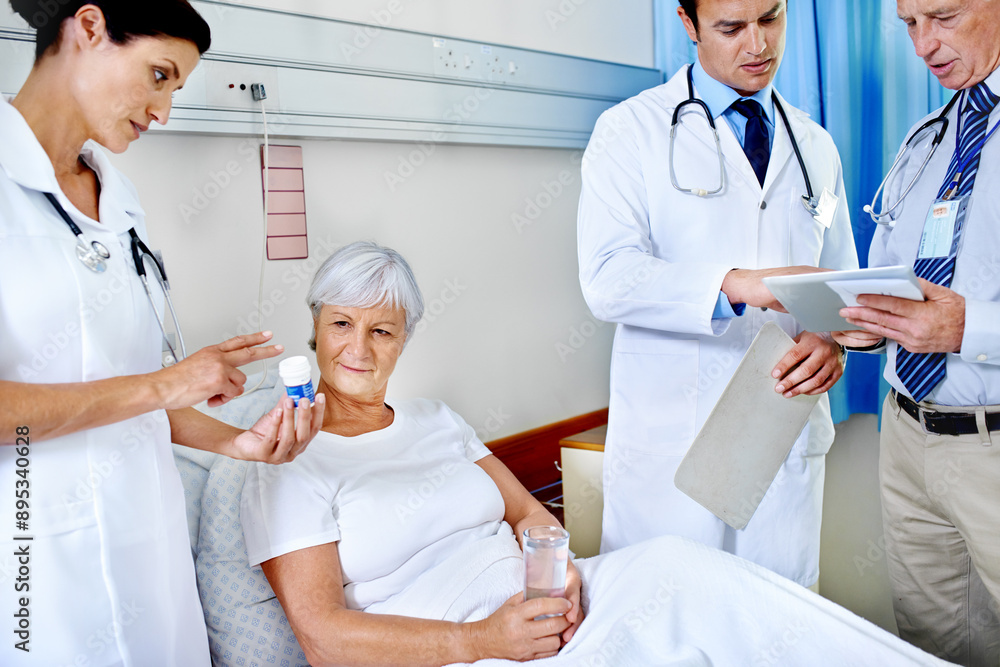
(756, 139)
(920, 373)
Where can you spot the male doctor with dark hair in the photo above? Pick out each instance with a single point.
(674, 238)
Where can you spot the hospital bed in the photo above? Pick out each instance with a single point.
(669, 602)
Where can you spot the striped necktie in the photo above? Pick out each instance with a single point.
(920, 373)
(756, 140)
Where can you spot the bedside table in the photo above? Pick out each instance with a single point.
(583, 491)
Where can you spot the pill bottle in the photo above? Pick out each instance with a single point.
(297, 376)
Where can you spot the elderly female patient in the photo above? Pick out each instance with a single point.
(389, 540)
(386, 493)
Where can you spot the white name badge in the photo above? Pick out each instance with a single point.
(943, 229)
(826, 208)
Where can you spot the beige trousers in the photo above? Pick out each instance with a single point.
(941, 516)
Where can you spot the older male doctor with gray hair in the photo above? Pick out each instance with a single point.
(940, 451)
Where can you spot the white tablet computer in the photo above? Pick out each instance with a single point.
(814, 299)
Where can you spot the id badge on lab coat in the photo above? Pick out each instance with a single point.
(826, 208)
(943, 228)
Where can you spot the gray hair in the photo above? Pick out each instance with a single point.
(366, 275)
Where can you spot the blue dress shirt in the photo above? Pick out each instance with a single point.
(719, 97)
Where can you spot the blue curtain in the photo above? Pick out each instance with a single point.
(851, 66)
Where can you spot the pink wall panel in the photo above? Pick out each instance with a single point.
(287, 180)
(286, 225)
(286, 206)
(287, 247)
(286, 202)
(285, 157)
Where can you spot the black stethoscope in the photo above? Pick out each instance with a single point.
(95, 257)
(885, 216)
(809, 200)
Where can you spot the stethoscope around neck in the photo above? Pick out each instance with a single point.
(809, 200)
(95, 257)
(884, 217)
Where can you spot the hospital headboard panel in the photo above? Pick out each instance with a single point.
(327, 78)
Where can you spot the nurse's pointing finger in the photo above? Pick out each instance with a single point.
(245, 341)
(244, 349)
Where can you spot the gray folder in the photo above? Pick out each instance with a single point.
(738, 452)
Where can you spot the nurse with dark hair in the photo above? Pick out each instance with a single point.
(94, 551)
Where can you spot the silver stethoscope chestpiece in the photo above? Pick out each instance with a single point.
(100, 249)
(92, 256)
(811, 204)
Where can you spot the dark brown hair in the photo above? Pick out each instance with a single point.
(126, 20)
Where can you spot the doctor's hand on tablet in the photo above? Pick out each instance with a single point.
(746, 286)
(934, 325)
(812, 367)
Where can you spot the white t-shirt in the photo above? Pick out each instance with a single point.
(399, 501)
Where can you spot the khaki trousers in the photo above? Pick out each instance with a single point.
(941, 516)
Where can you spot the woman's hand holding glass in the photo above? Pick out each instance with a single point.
(574, 588)
(519, 631)
(512, 633)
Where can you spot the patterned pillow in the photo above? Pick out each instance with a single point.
(246, 624)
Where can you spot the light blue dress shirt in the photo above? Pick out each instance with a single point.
(719, 97)
(973, 377)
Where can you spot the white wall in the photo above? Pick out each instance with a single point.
(508, 340)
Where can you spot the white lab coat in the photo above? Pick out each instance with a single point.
(111, 572)
(653, 261)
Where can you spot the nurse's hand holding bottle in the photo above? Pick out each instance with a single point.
(212, 374)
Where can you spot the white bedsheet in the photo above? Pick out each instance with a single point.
(670, 601)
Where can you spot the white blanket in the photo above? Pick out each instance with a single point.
(668, 601)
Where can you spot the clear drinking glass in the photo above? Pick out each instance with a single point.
(546, 553)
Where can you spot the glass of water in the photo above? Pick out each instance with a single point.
(546, 553)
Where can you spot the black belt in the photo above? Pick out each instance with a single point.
(946, 423)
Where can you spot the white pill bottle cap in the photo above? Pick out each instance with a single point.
(295, 371)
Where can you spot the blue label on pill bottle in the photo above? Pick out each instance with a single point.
(302, 391)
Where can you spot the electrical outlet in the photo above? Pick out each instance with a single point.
(446, 58)
(461, 60)
(229, 85)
